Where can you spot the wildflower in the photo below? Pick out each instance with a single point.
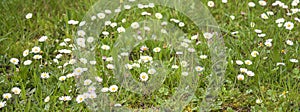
(279, 63)
(28, 16)
(258, 101)
(185, 73)
(109, 59)
(110, 66)
(158, 15)
(151, 71)
(240, 77)
(43, 39)
(289, 42)
(250, 73)
(199, 68)
(80, 98)
(294, 60)
(45, 75)
(146, 59)
(101, 15)
(47, 99)
(208, 35)
(239, 62)
(251, 4)
(27, 62)
(262, 3)
(181, 24)
(157, 49)
(81, 33)
(210, 4)
(73, 22)
(243, 70)
(98, 79)
(224, 1)
(62, 78)
(175, 66)
(184, 63)
(36, 49)
(144, 48)
(248, 62)
(289, 25)
(144, 76)
(113, 24)
(14, 61)
(203, 56)
(2, 104)
(65, 98)
(105, 47)
(121, 29)
(268, 44)
(264, 16)
(113, 88)
(135, 25)
(105, 33)
(105, 89)
(6, 96)
(254, 53)
(16, 90)
(87, 82)
(25, 53)
(78, 71)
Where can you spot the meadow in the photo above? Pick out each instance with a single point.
(74, 56)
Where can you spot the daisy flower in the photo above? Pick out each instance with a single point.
(289, 42)
(158, 15)
(248, 62)
(43, 39)
(113, 88)
(110, 66)
(210, 4)
(15, 61)
(28, 16)
(105, 89)
(6, 96)
(16, 90)
(289, 25)
(240, 77)
(105, 47)
(45, 75)
(251, 4)
(65, 98)
(254, 53)
(294, 60)
(135, 25)
(199, 68)
(47, 99)
(25, 53)
(62, 78)
(80, 98)
(2, 104)
(36, 49)
(151, 71)
(144, 76)
(239, 62)
(250, 73)
(157, 49)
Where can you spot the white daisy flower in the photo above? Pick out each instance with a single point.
(240, 77)
(43, 39)
(27, 62)
(144, 76)
(81, 33)
(258, 101)
(110, 66)
(65, 98)
(203, 56)
(254, 53)
(158, 15)
(113, 88)
(151, 71)
(15, 61)
(73, 22)
(47, 99)
(294, 60)
(80, 98)
(262, 3)
(87, 82)
(105, 89)
(289, 42)
(2, 104)
(251, 4)
(6, 96)
(28, 16)
(208, 35)
(157, 49)
(289, 25)
(199, 68)
(185, 73)
(239, 62)
(243, 70)
(36, 49)
(45, 75)
(210, 4)
(264, 16)
(181, 24)
(105, 47)
(121, 29)
(175, 66)
(16, 90)
(248, 62)
(37, 57)
(250, 73)
(62, 78)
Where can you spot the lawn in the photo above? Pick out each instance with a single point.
(139, 55)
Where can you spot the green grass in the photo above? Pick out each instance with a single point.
(51, 18)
